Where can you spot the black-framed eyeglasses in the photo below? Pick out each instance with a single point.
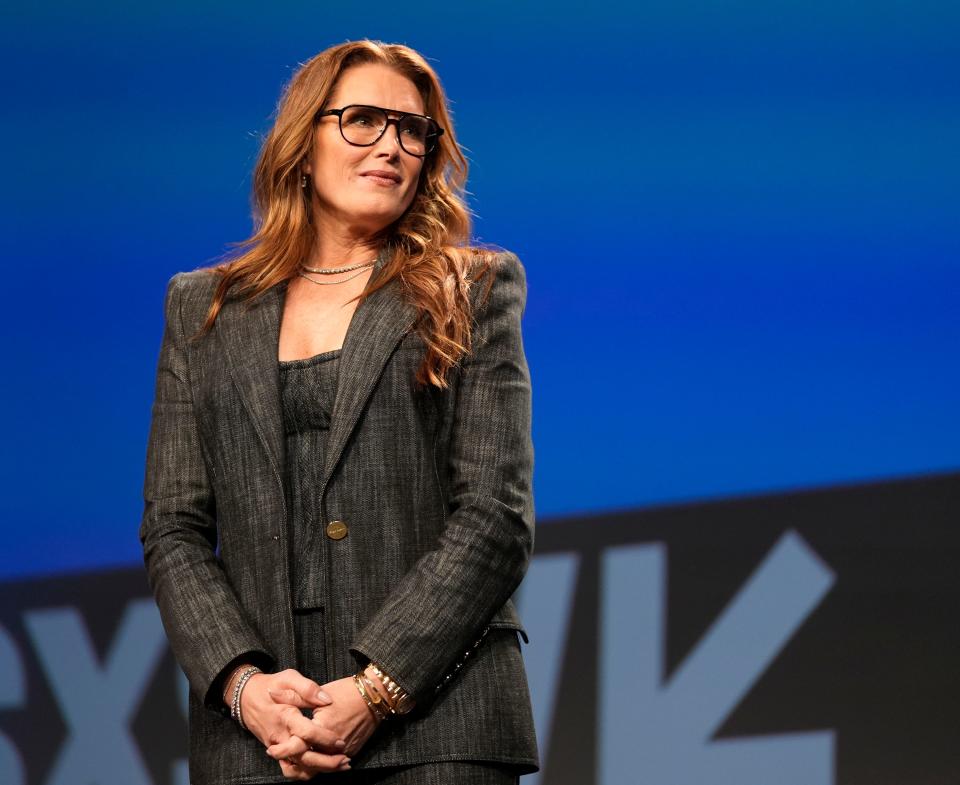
(363, 126)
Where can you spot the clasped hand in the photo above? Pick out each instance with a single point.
(341, 724)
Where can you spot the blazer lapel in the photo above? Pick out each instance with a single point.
(251, 337)
(377, 326)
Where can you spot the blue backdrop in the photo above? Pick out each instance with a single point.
(739, 221)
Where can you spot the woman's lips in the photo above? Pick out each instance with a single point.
(382, 178)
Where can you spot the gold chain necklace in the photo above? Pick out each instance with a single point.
(331, 283)
(334, 270)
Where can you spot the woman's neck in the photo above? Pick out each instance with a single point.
(338, 246)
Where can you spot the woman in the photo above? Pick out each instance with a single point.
(338, 500)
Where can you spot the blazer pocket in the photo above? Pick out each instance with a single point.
(508, 618)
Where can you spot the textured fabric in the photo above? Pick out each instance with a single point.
(307, 390)
(435, 487)
(445, 773)
(310, 632)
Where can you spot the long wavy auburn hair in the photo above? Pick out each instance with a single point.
(429, 242)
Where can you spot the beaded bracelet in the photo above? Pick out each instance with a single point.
(235, 713)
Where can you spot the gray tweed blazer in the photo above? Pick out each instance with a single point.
(435, 488)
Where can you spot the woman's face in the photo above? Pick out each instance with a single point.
(364, 189)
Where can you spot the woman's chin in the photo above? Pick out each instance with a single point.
(375, 217)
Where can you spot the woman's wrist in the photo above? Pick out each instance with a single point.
(376, 704)
(397, 700)
(375, 681)
(230, 683)
(239, 683)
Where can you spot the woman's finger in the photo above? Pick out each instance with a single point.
(304, 731)
(316, 763)
(293, 747)
(294, 772)
(306, 688)
(290, 697)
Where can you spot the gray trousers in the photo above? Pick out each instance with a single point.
(446, 773)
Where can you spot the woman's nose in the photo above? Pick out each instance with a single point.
(389, 142)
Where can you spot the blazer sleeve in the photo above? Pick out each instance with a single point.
(441, 605)
(203, 620)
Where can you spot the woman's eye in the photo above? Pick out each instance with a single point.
(361, 119)
(414, 130)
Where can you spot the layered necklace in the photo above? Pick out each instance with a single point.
(361, 267)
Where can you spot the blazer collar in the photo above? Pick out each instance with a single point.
(251, 337)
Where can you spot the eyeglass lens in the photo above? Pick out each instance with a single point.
(363, 125)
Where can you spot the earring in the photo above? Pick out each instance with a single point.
(303, 181)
